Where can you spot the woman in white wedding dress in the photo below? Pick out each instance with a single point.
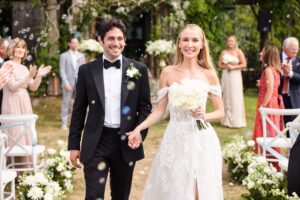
(188, 165)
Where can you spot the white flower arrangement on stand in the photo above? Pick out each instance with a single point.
(91, 48)
(160, 48)
(59, 168)
(39, 186)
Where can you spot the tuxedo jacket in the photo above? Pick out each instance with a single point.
(294, 83)
(88, 110)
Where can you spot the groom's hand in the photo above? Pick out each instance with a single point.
(134, 139)
(74, 156)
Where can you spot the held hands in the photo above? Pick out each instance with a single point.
(134, 139)
(74, 156)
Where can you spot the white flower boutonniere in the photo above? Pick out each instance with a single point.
(133, 72)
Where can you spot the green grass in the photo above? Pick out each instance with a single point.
(48, 127)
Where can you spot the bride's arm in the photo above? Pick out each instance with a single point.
(134, 137)
(217, 101)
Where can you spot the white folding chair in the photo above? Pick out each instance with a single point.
(6, 176)
(267, 144)
(35, 152)
(294, 130)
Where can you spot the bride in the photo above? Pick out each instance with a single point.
(188, 164)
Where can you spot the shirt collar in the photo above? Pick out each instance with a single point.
(119, 58)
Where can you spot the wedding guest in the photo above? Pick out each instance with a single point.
(290, 89)
(268, 92)
(232, 60)
(69, 63)
(290, 76)
(16, 99)
(188, 164)
(112, 97)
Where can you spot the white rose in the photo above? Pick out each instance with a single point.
(51, 151)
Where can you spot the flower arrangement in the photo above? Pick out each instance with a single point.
(39, 186)
(264, 182)
(160, 47)
(58, 166)
(238, 155)
(189, 96)
(90, 45)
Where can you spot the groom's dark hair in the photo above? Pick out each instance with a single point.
(108, 24)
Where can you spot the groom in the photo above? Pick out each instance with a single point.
(109, 102)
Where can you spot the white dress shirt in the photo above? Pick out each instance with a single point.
(112, 90)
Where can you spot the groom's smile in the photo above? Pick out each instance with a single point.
(113, 43)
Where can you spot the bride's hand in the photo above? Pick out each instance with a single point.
(198, 113)
(134, 139)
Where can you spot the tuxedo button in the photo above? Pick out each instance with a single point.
(93, 102)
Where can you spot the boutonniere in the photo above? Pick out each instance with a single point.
(133, 72)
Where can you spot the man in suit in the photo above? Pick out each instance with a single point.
(290, 79)
(3, 48)
(69, 63)
(290, 90)
(115, 91)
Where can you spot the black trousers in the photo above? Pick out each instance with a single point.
(108, 159)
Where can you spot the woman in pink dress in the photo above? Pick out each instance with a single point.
(16, 99)
(268, 92)
(232, 60)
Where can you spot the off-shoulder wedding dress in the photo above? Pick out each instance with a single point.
(187, 156)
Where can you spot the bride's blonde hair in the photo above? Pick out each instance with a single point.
(204, 58)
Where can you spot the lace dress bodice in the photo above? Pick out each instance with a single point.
(179, 114)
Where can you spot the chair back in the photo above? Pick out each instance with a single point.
(3, 138)
(26, 126)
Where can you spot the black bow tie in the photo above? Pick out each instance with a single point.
(107, 64)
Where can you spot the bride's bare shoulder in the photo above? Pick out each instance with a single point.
(212, 77)
(167, 75)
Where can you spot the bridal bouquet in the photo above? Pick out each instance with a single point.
(190, 96)
(229, 59)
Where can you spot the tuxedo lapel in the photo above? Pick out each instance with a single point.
(97, 72)
(124, 89)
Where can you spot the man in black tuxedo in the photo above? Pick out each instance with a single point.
(112, 98)
(290, 90)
